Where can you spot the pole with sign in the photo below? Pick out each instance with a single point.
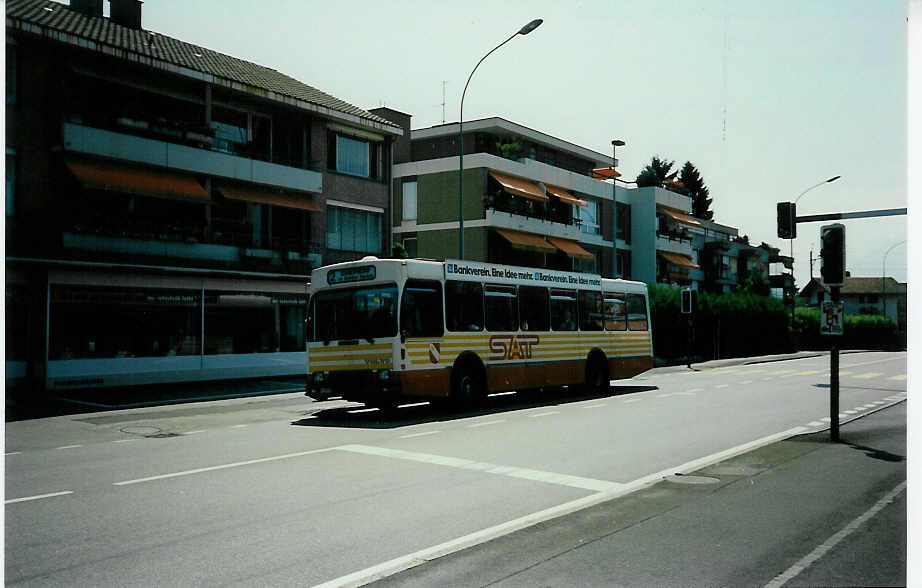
(832, 271)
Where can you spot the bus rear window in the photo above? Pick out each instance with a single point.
(637, 312)
(354, 313)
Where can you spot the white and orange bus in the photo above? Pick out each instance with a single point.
(382, 331)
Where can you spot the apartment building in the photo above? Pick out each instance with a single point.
(165, 203)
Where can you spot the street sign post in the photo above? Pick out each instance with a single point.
(832, 318)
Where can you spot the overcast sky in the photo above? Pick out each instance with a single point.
(765, 98)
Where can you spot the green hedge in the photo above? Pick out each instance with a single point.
(726, 325)
(863, 331)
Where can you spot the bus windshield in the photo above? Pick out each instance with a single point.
(355, 313)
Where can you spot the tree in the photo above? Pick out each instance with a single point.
(655, 173)
(694, 187)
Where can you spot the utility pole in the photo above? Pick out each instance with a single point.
(443, 100)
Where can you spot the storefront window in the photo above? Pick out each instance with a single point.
(99, 322)
(253, 322)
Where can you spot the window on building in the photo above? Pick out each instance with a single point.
(355, 157)
(354, 230)
(563, 310)
(421, 309)
(411, 245)
(534, 306)
(464, 306)
(231, 135)
(624, 222)
(636, 312)
(409, 201)
(624, 264)
(10, 182)
(589, 217)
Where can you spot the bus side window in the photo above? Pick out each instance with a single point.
(500, 305)
(590, 310)
(637, 312)
(533, 308)
(614, 312)
(464, 305)
(421, 309)
(563, 310)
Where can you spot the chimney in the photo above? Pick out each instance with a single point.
(87, 7)
(125, 12)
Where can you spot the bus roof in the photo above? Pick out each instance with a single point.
(361, 270)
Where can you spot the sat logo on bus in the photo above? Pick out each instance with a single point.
(512, 346)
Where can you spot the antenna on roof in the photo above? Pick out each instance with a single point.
(443, 100)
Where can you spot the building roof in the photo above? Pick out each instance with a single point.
(500, 125)
(59, 22)
(856, 286)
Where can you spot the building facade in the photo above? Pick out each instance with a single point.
(165, 203)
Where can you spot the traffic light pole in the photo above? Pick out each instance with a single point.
(834, 381)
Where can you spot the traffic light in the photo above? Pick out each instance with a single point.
(832, 253)
(689, 300)
(787, 228)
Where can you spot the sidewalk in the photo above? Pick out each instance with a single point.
(803, 511)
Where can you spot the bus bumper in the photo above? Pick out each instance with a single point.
(374, 387)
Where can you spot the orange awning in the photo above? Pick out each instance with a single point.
(526, 241)
(679, 260)
(100, 174)
(571, 248)
(604, 173)
(519, 187)
(679, 216)
(565, 196)
(261, 195)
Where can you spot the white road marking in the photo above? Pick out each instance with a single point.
(899, 377)
(879, 402)
(38, 497)
(408, 561)
(632, 400)
(868, 375)
(598, 405)
(68, 446)
(815, 424)
(825, 419)
(239, 426)
(13, 453)
(360, 410)
(502, 393)
(413, 404)
(195, 432)
(722, 385)
(668, 394)
(486, 424)
(126, 440)
(767, 379)
(819, 552)
(222, 467)
(411, 435)
(488, 468)
(544, 414)
(693, 390)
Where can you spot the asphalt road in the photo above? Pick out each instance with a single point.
(281, 490)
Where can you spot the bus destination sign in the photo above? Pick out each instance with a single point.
(351, 274)
(473, 271)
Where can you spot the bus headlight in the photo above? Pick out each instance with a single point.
(384, 375)
(318, 378)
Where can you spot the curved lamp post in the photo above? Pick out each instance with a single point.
(614, 203)
(522, 31)
(832, 179)
(883, 277)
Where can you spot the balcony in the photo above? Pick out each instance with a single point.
(674, 242)
(170, 153)
(508, 220)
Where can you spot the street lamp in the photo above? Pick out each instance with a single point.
(832, 179)
(522, 31)
(614, 202)
(883, 277)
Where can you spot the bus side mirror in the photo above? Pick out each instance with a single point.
(403, 335)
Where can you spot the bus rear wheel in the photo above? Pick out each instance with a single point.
(597, 381)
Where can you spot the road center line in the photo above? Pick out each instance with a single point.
(222, 467)
(598, 405)
(820, 551)
(38, 497)
(486, 424)
(68, 446)
(544, 414)
(411, 435)
(488, 468)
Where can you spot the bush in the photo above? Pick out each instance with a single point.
(726, 325)
(861, 331)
